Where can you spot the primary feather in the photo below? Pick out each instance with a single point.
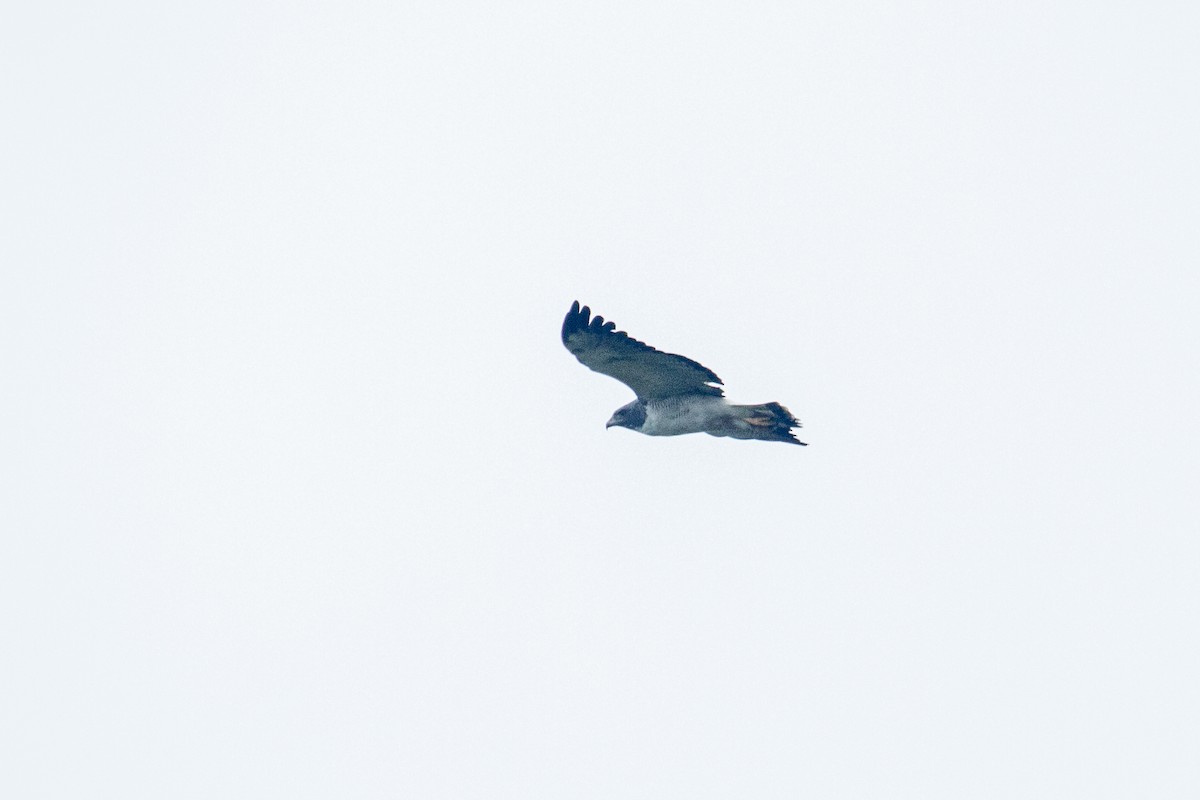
(650, 373)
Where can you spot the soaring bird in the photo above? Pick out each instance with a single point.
(675, 395)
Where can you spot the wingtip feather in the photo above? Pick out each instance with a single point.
(576, 319)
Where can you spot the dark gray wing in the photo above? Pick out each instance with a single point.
(650, 373)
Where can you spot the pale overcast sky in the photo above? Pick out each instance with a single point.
(303, 497)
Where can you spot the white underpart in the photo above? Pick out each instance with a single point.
(673, 416)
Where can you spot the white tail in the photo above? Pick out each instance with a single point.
(770, 422)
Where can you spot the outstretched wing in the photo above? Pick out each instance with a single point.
(650, 373)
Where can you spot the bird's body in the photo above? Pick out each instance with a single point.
(675, 416)
(675, 395)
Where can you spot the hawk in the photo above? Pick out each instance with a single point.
(675, 395)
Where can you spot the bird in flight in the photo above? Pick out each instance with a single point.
(675, 395)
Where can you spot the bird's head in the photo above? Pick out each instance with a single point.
(631, 415)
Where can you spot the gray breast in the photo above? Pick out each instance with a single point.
(672, 416)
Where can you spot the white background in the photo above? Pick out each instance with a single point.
(303, 498)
